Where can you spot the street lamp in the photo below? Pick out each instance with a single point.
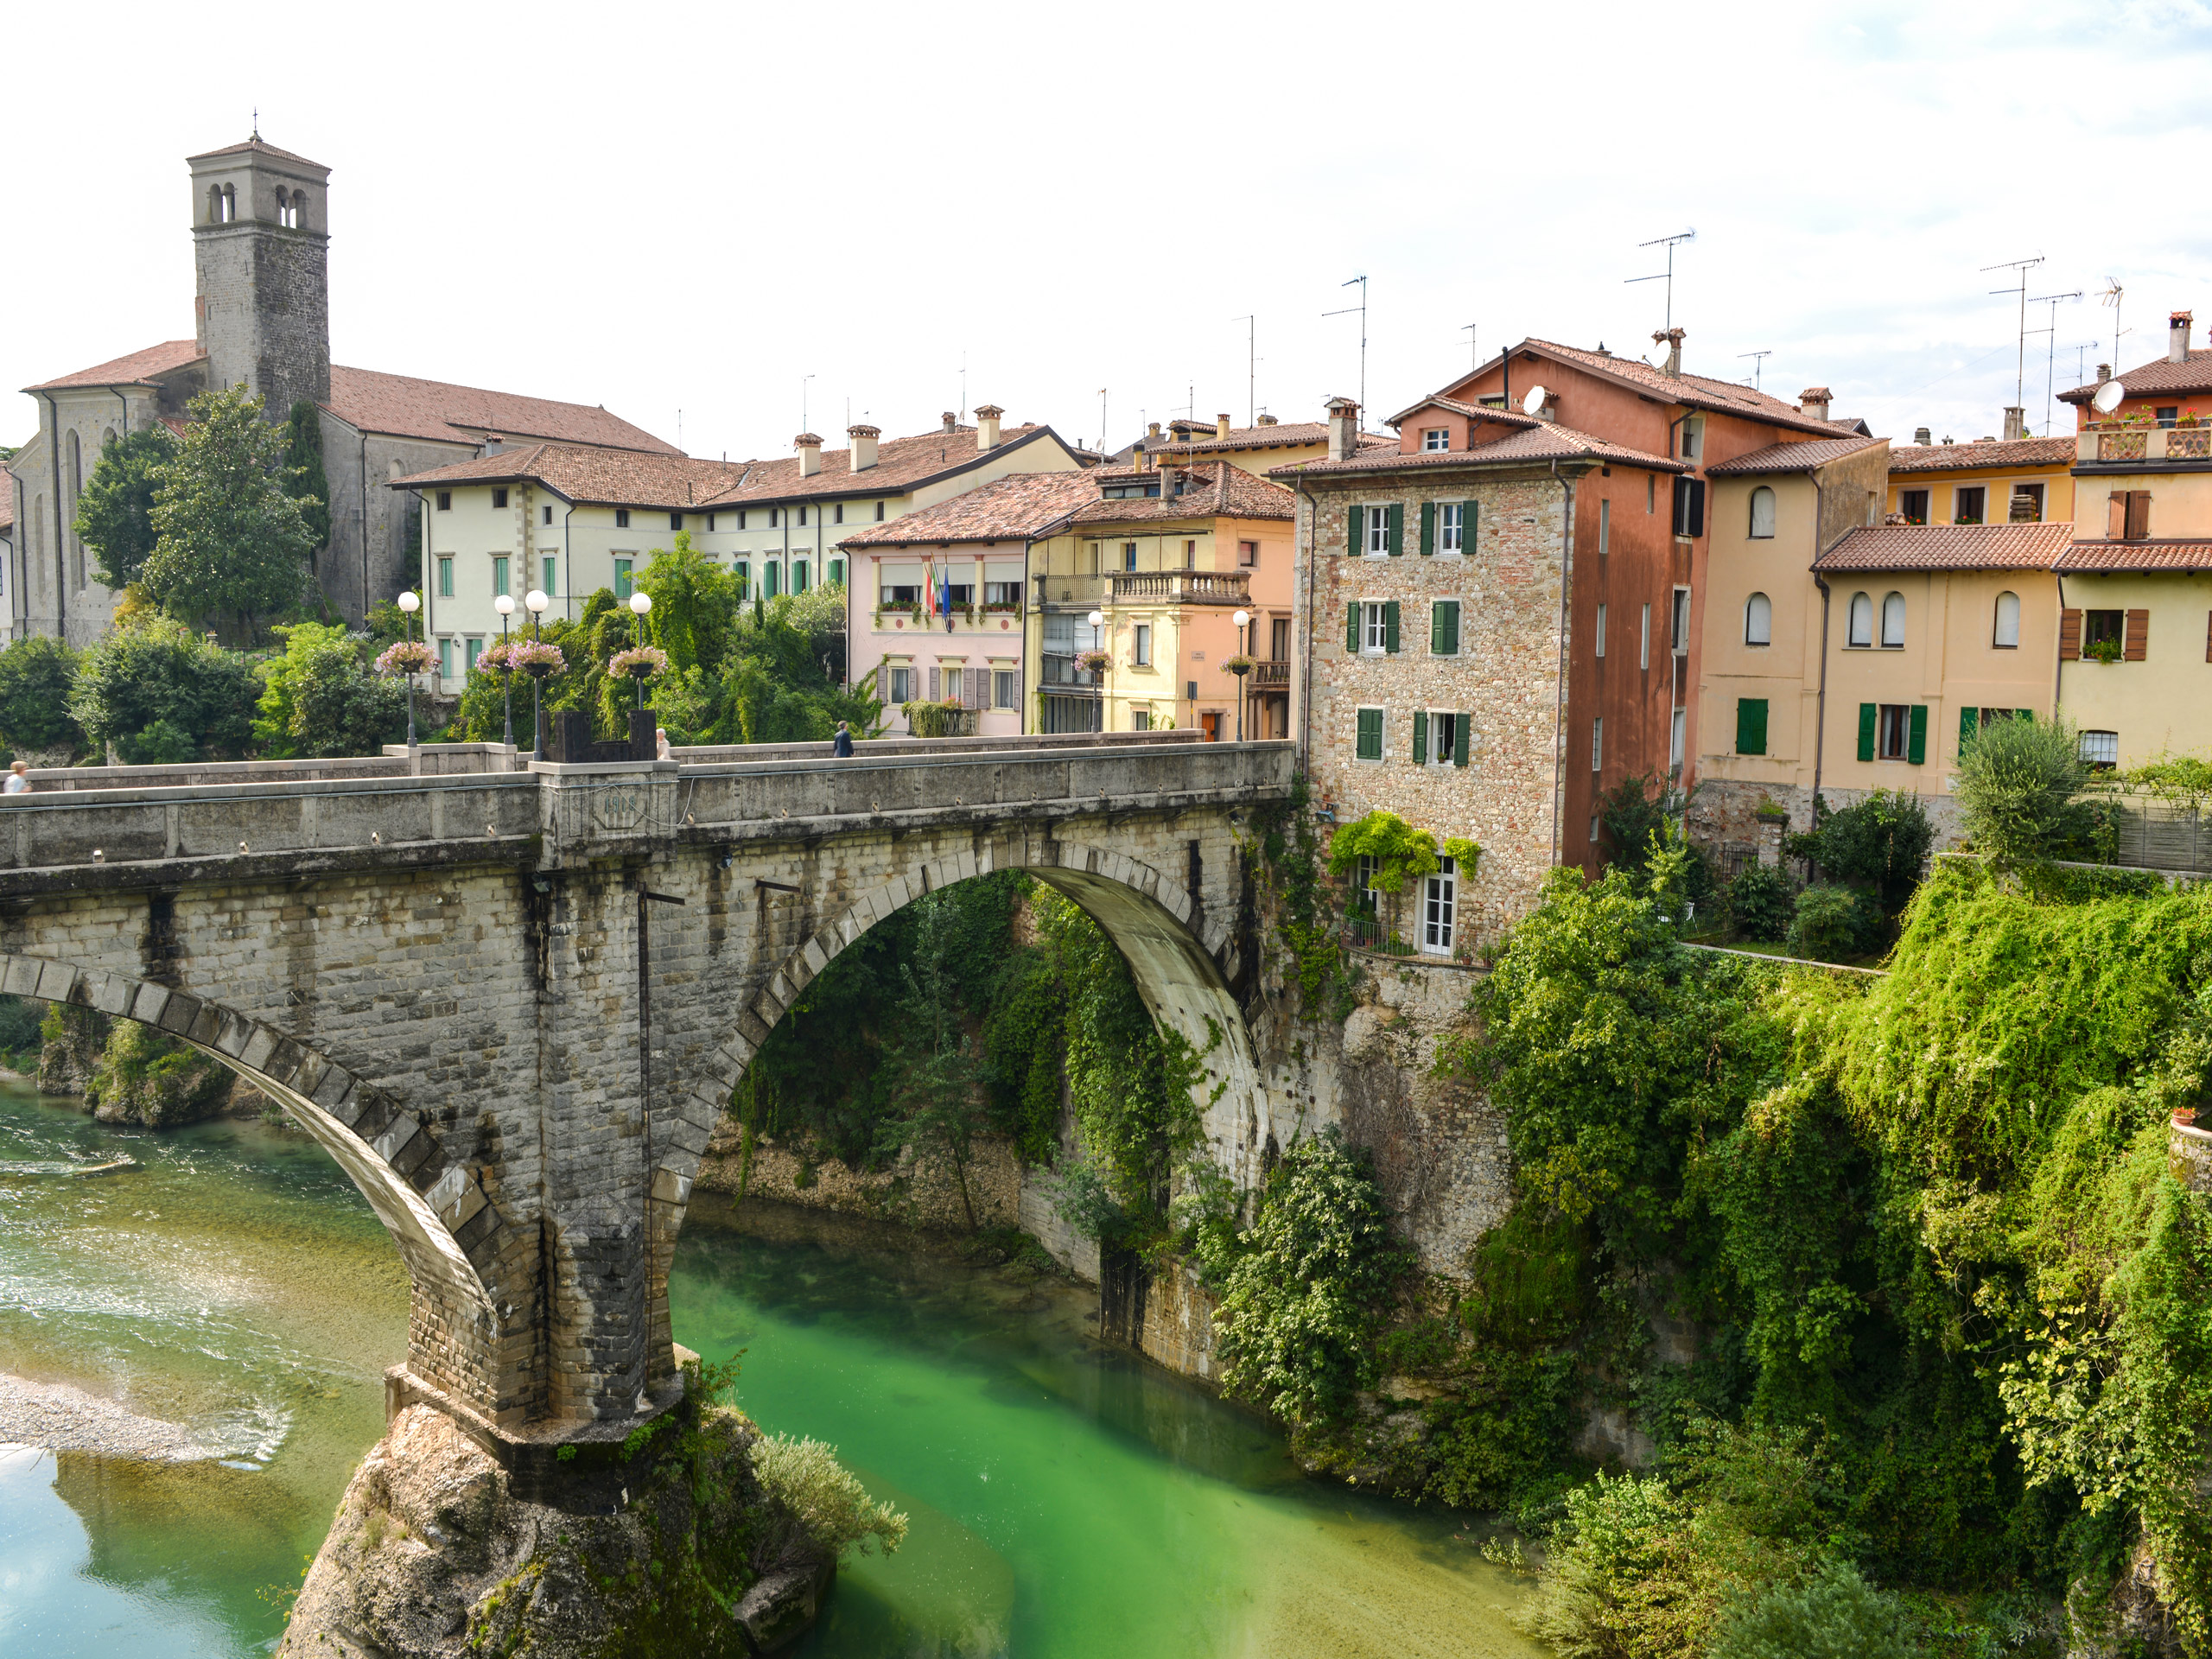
(1240, 668)
(536, 602)
(641, 606)
(1097, 619)
(505, 605)
(410, 603)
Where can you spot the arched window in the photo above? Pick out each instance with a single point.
(230, 205)
(1762, 513)
(1861, 629)
(2007, 637)
(214, 204)
(283, 205)
(1759, 620)
(1893, 620)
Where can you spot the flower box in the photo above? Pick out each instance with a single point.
(1093, 662)
(405, 656)
(639, 662)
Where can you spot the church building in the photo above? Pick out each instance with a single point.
(261, 319)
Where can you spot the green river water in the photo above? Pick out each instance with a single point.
(1067, 1500)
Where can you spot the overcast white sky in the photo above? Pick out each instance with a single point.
(663, 208)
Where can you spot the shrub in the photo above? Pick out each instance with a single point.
(161, 693)
(319, 699)
(1880, 843)
(1835, 923)
(1760, 900)
(36, 675)
(1835, 1614)
(2015, 787)
(826, 1499)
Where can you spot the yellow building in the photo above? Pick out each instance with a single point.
(1994, 482)
(1253, 448)
(1166, 560)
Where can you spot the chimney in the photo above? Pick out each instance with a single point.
(1344, 427)
(1151, 432)
(494, 444)
(988, 417)
(1221, 426)
(2104, 372)
(1670, 341)
(2178, 336)
(951, 422)
(1814, 401)
(1267, 420)
(2015, 422)
(1922, 436)
(862, 441)
(810, 453)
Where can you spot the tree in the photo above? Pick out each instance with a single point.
(320, 698)
(1880, 843)
(304, 478)
(694, 605)
(938, 1099)
(162, 694)
(230, 541)
(115, 513)
(2015, 787)
(35, 674)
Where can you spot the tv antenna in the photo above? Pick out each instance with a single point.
(1251, 369)
(1758, 365)
(2020, 359)
(2110, 297)
(1102, 420)
(1668, 275)
(802, 426)
(2050, 349)
(1362, 309)
(1474, 343)
(962, 415)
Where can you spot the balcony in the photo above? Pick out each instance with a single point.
(2128, 445)
(1143, 587)
(1062, 678)
(1270, 677)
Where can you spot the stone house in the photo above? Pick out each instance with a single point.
(261, 234)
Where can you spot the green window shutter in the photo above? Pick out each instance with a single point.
(1370, 735)
(1397, 528)
(1917, 740)
(1466, 527)
(1751, 725)
(1355, 529)
(1451, 628)
(1436, 645)
(1420, 740)
(1352, 629)
(1969, 726)
(1866, 713)
(1427, 528)
(1390, 626)
(1466, 735)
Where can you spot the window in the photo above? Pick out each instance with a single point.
(1441, 739)
(676, 521)
(1759, 620)
(622, 579)
(1605, 527)
(1676, 733)
(1679, 635)
(547, 567)
(1279, 640)
(1651, 492)
(1128, 555)
(775, 516)
(1893, 731)
(1597, 744)
(1006, 688)
(1601, 629)
(1363, 883)
(802, 518)
(1370, 745)
(799, 576)
(1140, 720)
(445, 500)
(1003, 593)
(2100, 749)
(2169, 414)
(1689, 506)
(1966, 504)
(742, 570)
(710, 523)
(879, 512)
(1692, 436)
(1450, 527)
(902, 685)
(1376, 631)
(1436, 438)
(2027, 504)
(545, 515)
(500, 576)
(1913, 504)
(1858, 628)
(621, 518)
(445, 578)
(2108, 629)
(740, 517)
(834, 573)
(1140, 652)
(445, 659)
(1248, 554)
(1643, 649)
(839, 510)
(1444, 628)
(1893, 622)
(2007, 637)
(958, 595)
(902, 592)
(498, 500)
(770, 575)
(2129, 517)
(1762, 514)
(1378, 530)
(1439, 901)
(1751, 725)
(471, 650)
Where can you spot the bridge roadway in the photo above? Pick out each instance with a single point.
(513, 1001)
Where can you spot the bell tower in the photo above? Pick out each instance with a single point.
(261, 250)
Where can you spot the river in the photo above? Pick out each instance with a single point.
(234, 1294)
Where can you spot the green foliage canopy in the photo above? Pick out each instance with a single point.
(230, 541)
(163, 695)
(304, 478)
(319, 697)
(2016, 785)
(35, 674)
(115, 510)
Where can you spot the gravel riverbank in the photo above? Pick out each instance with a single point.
(60, 1418)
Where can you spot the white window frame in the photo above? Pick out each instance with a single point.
(2101, 749)
(1006, 688)
(1605, 527)
(1376, 544)
(1452, 528)
(1374, 628)
(899, 674)
(1437, 756)
(1897, 611)
(1677, 739)
(1643, 650)
(1861, 608)
(1440, 906)
(1601, 629)
(2002, 624)
(1140, 646)
(1759, 620)
(1597, 744)
(1678, 629)
(1435, 437)
(1762, 495)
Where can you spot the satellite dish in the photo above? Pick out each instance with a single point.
(2109, 397)
(1536, 399)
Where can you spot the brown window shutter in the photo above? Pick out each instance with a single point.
(2139, 514)
(2139, 636)
(2069, 635)
(2116, 517)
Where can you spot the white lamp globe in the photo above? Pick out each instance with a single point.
(641, 603)
(536, 601)
(409, 603)
(1242, 619)
(1097, 617)
(504, 604)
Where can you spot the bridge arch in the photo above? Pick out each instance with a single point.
(448, 1234)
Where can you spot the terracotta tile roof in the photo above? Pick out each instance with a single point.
(1948, 547)
(2088, 557)
(900, 464)
(1014, 509)
(1460, 406)
(256, 145)
(2158, 375)
(1996, 452)
(1540, 441)
(399, 405)
(1802, 457)
(138, 369)
(1281, 435)
(1219, 489)
(1690, 390)
(578, 472)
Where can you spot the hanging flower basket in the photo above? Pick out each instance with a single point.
(639, 662)
(1093, 662)
(499, 656)
(1240, 665)
(537, 657)
(406, 657)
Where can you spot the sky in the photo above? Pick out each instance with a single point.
(727, 223)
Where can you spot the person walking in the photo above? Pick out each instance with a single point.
(841, 747)
(660, 744)
(19, 779)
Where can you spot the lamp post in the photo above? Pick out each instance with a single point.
(410, 602)
(505, 605)
(641, 606)
(536, 601)
(1097, 619)
(1241, 668)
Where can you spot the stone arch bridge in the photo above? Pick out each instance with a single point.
(512, 1003)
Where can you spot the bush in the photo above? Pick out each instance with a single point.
(825, 1499)
(36, 675)
(2015, 787)
(1760, 900)
(320, 698)
(1834, 1615)
(1835, 923)
(1880, 843)
(161, 693)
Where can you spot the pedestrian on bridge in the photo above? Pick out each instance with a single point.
(841, 747)
(19, 779)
